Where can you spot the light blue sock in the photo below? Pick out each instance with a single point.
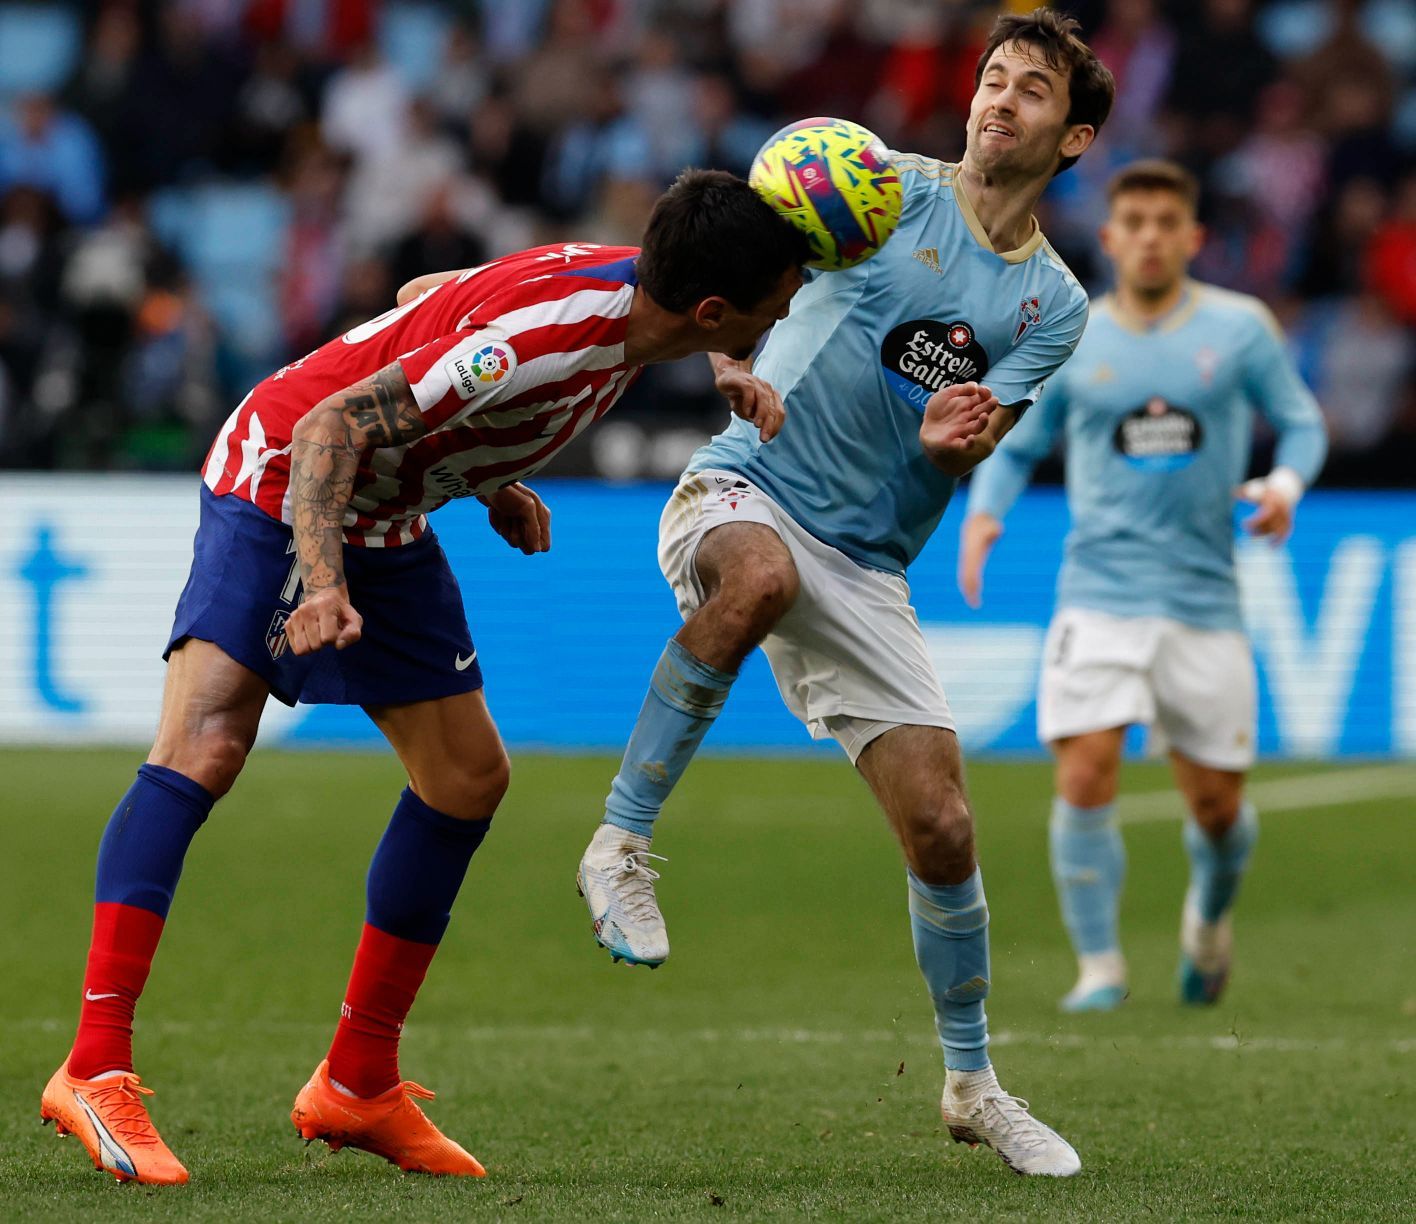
(950, 926)
(1216, 867)
(684, 697)
(1088, 867)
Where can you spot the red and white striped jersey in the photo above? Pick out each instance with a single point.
(507, 362)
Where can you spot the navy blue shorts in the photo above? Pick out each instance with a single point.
(243, 586)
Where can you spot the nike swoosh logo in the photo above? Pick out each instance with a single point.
(463, 664)
(94, 998)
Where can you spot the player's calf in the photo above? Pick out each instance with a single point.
(1217, 866)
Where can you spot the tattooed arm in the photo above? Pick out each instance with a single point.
(326, 446)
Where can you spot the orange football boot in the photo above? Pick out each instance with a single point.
(109, 1116)
(389, 1125)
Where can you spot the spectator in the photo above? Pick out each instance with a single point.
(1391, 256)
(438, 242)
(54, 151)
(1139, 49)
(313, 267)
(1365, 361)
(1220, 67)
(388, 192)
(365, 108)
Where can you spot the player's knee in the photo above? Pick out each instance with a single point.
(471, 791)
(756, 599)
(940, 838)
(1215, 811)
(212, 756)
(1087, 781)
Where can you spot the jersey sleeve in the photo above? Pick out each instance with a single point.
(461, 374)
(999, 480)
(1019, 377)
(1274, 386)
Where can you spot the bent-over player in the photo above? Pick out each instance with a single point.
(316, 578)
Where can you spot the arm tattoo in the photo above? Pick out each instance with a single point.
(324, 462)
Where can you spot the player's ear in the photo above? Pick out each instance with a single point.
(1104, 234)
(710, 313)
(1198, 234)
(1077, 140)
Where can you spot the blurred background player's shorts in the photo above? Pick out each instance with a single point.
(1194, 687)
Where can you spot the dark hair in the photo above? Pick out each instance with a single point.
(1091, 88)
(711, 235)
(1155, 174)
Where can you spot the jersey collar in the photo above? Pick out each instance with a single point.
(1176, 317)
(966, 210)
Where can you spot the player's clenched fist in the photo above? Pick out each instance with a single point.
(954, 417)
(324, 616)
(520, 517)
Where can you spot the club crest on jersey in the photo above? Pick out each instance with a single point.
(276, 641)
(1158, 437)
(1032, 316)
(923, 355)
(489, 365)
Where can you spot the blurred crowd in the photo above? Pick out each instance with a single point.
(193, 192)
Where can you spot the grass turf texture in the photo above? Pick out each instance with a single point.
(783, 1062)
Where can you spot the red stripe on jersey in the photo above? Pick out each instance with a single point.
(524, 300)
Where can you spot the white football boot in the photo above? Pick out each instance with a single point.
(986, 1114)
(1101, 983)
(1206, 952)
(618, 885)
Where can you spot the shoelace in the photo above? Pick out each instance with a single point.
(1020, 1124)
(417, 1090)
(638, 897)
(123, 1109)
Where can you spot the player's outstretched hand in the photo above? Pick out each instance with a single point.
(976, 540)
(520, 518)
(955, 416)
(1274, 516)
(754, 400)
(324, 617)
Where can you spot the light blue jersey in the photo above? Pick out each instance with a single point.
(1158, 421)
(862, 351)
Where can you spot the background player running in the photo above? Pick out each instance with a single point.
(802, 545)
(314, 535)
(1157, 412)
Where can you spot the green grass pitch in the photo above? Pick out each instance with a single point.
(781, 1065)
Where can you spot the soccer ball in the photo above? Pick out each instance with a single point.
(834, 181)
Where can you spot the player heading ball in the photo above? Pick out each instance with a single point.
(472, 382)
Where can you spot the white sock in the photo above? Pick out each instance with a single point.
(109, 1074)
(349, 1092)
(966, 1087)
(1097, 969)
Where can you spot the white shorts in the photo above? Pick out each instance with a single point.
(849, 657)
(1195, 686)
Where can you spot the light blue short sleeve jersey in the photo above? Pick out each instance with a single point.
(1157, 423)
(862, 351)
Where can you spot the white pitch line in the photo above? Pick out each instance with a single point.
(567, 1034)
(1293, 794)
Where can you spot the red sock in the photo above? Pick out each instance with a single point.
(120, 955)
(382, 985)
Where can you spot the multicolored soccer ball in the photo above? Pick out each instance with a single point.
(834, 181)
